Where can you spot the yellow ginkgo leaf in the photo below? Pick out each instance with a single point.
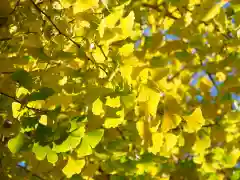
(151, 97)
(170, 141)
(97, 107)
(170, 121)
(194, 121)
(16, 109)
(73, 166)
(113, 102)
(201, 144)
(127, 23)
(83, 5)
(126, 49)
(157, 140)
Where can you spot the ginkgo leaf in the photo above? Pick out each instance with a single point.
(15, 144)
(126, 49)
(73, 166)
(42, 94)
(40, 151)
(71, 142)
(112, 122)
(113, 102)
(157, 140)
(194, 121)
(170, 141)
(97, 107)
(90, 170)
(94, 137)
(213, 11)
(232, 158)
(152, 98)
(201, 144)
(16, 107)
(84, 148)
(170, 121)
(127, 23)
(52, 157)
(22, 77)
(83, 5)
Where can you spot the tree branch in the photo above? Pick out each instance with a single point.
(63, 34)
(16, 100)
(156, 7)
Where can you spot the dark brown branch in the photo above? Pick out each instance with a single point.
(156, 7)
(15, 7)
(16, 100)
(5, 39)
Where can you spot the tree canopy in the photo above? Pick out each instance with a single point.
(86, 93)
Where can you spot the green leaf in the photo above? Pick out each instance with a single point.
(15, 144)
(84, 149)
(71, 142)
(16, 107)
(73, 166)
(42, 94)
(40, 151)
(89, 142)
(22, 77)
(52, 157)
(94, 137)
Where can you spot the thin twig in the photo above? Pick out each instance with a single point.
(156, 7)
(63, 34)
(16, 100)
(15, 7)
(210, 77)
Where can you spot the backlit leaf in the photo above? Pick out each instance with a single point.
(97, 107)
(15, 144)
(194, 121)
(73, 166)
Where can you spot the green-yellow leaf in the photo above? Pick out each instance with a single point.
(40, 151)
(213, 11)
(16, 107)
(94, 137)
(15, 144)
(73, 166)
(52, 157)
(84, 149)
